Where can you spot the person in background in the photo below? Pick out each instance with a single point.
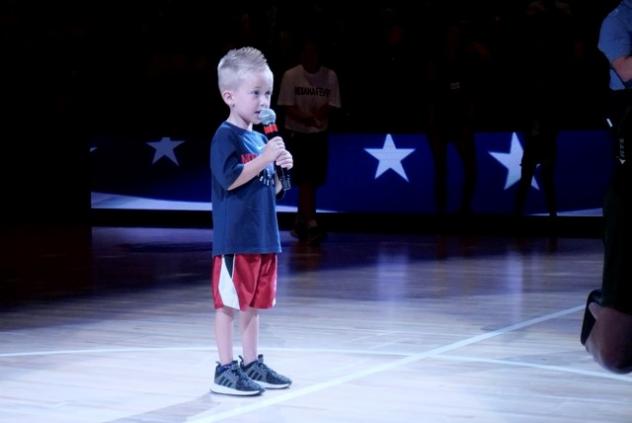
(607, 326)
(547, 61)
(308, 93)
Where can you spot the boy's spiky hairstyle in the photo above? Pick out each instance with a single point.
(237, 63)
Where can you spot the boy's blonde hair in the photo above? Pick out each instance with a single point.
(236, 64)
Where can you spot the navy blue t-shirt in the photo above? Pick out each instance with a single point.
(244, 218)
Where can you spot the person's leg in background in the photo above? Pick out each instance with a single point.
(610, 339)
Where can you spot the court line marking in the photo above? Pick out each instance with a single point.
(368, 352)
(603, 374)
(408, 358)
(266, 402)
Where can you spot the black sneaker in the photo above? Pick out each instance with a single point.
(264, 375)
(230, 379)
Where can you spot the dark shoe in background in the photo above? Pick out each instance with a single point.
(299, 231)
(315, 235)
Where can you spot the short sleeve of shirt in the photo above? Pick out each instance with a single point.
(226, 165)
(334, 97)
(614, 39)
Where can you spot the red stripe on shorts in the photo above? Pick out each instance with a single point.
(249, 282)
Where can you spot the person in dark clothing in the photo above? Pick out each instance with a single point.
(607, 326)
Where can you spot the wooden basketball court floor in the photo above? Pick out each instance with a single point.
(370, 327)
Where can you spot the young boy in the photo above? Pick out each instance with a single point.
(245, 230)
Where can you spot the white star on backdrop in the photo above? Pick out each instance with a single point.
(511, 161)
(164, 148)
(390, 157)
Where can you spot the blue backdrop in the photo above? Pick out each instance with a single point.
(368, 173)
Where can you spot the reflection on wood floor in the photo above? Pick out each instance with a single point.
(371, 328)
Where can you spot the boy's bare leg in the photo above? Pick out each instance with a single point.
(249, 324)
(224, 334)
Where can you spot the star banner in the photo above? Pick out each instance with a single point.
(367, 173)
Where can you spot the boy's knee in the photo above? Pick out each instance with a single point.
(226, 311)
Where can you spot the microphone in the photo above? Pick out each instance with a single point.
(268, 120)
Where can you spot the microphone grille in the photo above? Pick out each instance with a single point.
(267, 116)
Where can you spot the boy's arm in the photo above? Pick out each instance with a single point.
(249, 171)
(271, 151)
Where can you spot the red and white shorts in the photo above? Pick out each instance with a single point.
(240, 281)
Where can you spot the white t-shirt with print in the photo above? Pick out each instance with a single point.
(309, 92)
